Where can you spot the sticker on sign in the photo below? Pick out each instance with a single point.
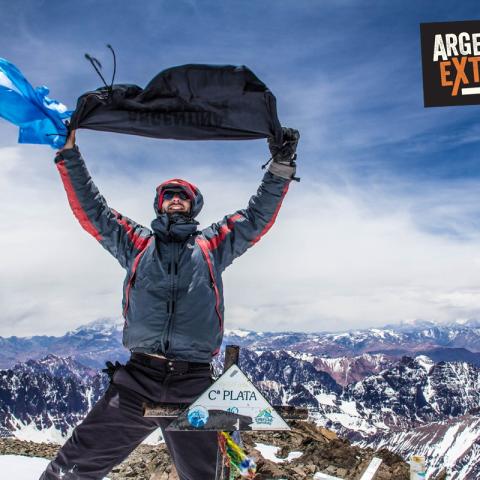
(231, 403)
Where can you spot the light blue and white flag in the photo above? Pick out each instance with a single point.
(41, 119)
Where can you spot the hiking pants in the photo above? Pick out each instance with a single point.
(116, 425)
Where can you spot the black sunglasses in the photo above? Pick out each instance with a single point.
(169, 194)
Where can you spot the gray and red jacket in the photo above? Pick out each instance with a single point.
(173, 293)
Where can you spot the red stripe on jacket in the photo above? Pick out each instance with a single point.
(132, 276)
(77, 209)
(138, 241)
(268, 226)
(224, 230)
(204, 247)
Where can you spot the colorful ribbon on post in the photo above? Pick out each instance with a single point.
(236, 458)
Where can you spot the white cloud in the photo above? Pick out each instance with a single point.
(335, 259)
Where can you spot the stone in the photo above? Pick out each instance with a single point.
(322, 452)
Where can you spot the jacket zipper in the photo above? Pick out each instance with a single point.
(173, 272)
(131, 283)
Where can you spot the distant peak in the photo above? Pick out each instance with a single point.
(102, 325)
(238, 332)
(467, 322)
(413, 323)
(50, 356)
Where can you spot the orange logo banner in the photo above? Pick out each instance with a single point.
(450, 62)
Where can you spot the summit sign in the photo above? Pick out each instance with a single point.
(231, 403)
(451, 63)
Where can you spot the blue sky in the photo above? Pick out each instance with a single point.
(383, 226)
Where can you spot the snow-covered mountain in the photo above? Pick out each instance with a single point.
(415, 402)
(417, 391)
(393, 340)
(286, 380)
(91, 345)
(43, 400)
(356, 383)
(94, 343)
(452, 444)
(346, 370)
(415, 407)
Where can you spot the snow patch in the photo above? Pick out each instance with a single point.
(269, 452)
(326, 399)
(350, 408)
(155, 438)
(23, 468)
(303, 356)
(31, 433)
(425, 362)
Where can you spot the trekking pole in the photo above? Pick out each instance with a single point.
(232, 354)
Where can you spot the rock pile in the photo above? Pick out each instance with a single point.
(147, 462)
(322, 452)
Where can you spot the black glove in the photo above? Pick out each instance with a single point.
(286, 151)
(284, 155)
(111, 369)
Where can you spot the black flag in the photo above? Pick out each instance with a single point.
(188, 102)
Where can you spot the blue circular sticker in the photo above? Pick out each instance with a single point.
(197, 416)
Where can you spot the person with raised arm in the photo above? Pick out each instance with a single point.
(173, 309)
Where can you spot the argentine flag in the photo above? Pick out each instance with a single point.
(41, 119)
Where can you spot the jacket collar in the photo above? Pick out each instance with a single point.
(174, 228)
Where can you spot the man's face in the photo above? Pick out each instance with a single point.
(176, 202)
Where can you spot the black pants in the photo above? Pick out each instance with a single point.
(115, 426)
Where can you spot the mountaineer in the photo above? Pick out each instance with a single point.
(173, 309)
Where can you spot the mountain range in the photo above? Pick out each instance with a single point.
(94, 343)
(410, 388)
(42, 400)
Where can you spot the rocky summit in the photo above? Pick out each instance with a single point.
(312, 449)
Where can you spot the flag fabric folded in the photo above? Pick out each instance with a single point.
(41, 119)
(188, 102)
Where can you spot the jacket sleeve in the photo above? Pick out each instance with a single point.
(234, 234)
(122, 237)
